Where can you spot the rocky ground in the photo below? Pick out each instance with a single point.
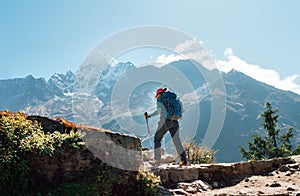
(282, 179)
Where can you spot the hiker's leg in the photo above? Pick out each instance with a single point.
(161, 131)
(174, 131)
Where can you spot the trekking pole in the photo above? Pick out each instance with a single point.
(146, 117)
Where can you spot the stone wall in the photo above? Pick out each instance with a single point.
(104, 151)
(118, 150)
(217, 175)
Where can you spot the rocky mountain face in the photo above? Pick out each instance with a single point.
(62, 84)
(110, 75)
(245, 99)
(17, 94)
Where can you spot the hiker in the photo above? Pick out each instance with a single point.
(167, 103)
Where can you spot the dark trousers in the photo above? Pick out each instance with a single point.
(173, 127)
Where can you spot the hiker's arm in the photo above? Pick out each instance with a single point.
(154, 114)
(158, 111)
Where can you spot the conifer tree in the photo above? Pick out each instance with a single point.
(274, 144)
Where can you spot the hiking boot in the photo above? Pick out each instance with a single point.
(183, 163)
(155, 163)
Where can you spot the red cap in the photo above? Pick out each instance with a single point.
(159, 91)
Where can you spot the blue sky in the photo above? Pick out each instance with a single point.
(53, 36)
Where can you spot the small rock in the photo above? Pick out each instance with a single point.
(292, 172)
(284, 168)
(215, 184)
(167, 158)
(179, 192)
(247, 180)
(191, 190)
(203, 185)
(260, 192)
(293, 166)
(194, 187)
(267, 185)
(290, 189)
(275, 185)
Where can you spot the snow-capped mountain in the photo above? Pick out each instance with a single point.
(62, 84)
(245, 99)
(109, 76)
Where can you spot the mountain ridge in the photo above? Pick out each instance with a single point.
(245, 99)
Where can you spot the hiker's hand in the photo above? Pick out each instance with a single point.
(146, 115)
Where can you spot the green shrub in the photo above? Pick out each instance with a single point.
(74, 188)
(110, 182)
(297, 150)
(21, 138)
(147, 183)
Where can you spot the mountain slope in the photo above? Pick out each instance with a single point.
(245, 99)
(16, 94)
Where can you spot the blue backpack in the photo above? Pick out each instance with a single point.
(173, 105)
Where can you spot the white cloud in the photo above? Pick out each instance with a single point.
(187, 45)
(190, 49)
(166, 59)
(267, 76)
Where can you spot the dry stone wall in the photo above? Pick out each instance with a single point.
(103, 151)
(217, 175)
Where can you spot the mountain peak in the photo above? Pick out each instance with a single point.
(109, 76)
(62, 84)
(29, 77)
